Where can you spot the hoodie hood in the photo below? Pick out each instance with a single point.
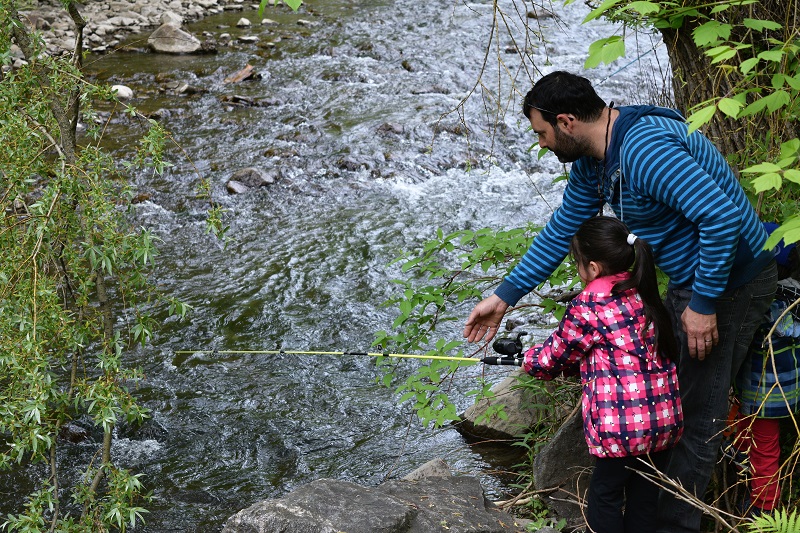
(628, 116)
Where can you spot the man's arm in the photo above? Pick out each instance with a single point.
(579, 203)
(548, 250)
(660, 165)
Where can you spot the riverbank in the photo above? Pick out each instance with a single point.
(109, 23)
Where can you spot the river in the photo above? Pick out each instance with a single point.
(356, 117)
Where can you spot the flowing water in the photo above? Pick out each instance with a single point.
(354, 114)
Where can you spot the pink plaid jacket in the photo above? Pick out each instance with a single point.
(631, 404)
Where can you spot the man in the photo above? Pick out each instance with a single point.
(677, 192)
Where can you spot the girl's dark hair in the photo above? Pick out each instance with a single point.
(604, 240)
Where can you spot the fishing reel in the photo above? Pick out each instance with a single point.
(510, 348)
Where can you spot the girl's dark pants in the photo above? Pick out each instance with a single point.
(615, 484)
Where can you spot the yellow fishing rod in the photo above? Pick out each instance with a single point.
(510, 348)
(304, 352)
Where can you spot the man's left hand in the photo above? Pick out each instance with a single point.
(701, 332)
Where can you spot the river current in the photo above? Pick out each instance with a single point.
(357, 114)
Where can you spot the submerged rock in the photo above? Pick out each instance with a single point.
(250, 178)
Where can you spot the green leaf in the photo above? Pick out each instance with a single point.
(789, 231)
(777, 100)
(775, 56)
(711, 32)
(793, 82)
(605, 50)
(762, 168)
(701, 117)
(728, 54)
(792, 175)
(790, 147)
(761, 25)
(767, 182)
(600, 10)
(644, 8)
(748, 65)
(729, 106)
(755, 107)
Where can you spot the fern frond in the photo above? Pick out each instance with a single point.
(781, 521)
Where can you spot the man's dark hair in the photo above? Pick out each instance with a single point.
(563, 92)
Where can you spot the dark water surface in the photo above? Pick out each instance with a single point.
(348, 109)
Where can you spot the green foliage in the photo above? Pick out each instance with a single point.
(540, 518)
(75, 293)
(445, 272)
(780, 521)
(758, 59)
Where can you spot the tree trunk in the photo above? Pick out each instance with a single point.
(696, 80)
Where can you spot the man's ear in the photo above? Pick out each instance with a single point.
(565, 121)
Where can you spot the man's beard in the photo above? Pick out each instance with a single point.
(568, 148)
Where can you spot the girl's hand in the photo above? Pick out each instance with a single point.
(485, 319)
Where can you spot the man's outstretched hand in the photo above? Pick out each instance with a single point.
(485, 319)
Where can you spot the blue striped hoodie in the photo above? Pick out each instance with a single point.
(674, 190)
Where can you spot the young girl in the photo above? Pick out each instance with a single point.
(618, 331)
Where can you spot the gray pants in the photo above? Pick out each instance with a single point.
(704, 387)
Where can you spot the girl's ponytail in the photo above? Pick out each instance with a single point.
(643, 277)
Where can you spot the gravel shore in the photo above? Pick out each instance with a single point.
(109, 22)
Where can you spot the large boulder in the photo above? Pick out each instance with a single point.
(524, 407)
(420, 503)
(565, 465)
(170, 39)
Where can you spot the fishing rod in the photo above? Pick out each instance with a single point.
(510, 348)
(305, 352)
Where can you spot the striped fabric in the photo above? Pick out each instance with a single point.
(756, 385)
(630, 400)
(673, 190)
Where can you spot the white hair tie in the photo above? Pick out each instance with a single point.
(631, 238)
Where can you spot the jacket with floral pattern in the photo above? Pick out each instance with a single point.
(630, 401)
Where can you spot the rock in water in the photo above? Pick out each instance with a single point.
(170, 39)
